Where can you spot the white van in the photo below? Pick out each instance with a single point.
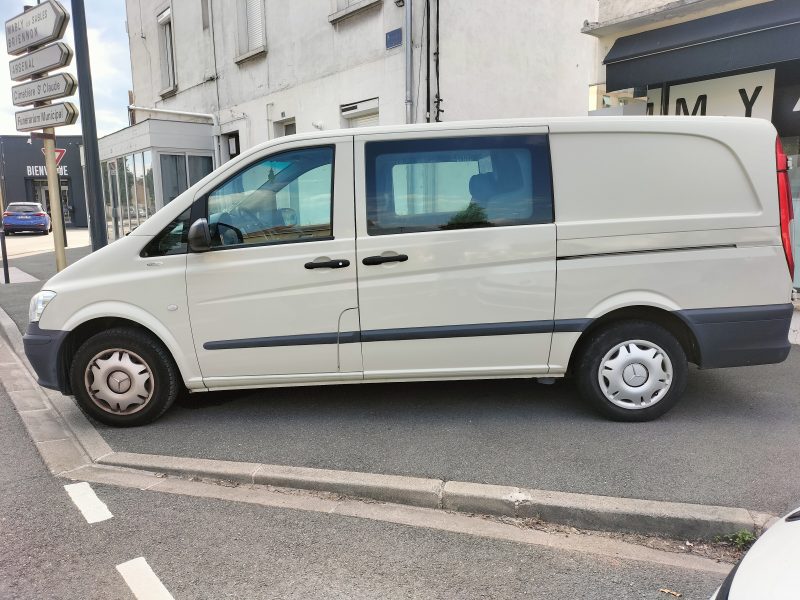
(614, 250)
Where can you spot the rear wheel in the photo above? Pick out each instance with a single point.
(632, 371)
(124, 377)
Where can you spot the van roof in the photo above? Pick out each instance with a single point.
(651, 124)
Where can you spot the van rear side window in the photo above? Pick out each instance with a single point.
(457, 183)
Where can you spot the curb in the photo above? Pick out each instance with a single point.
(68, 442)
(648, 517)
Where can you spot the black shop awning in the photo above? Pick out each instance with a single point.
(744, 39)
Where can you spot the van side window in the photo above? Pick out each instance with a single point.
(457, 183)
(286, 197)
(170, 240)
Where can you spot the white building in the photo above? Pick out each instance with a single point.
(258, 69)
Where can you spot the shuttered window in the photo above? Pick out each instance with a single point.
(364, 120)
(254, 16)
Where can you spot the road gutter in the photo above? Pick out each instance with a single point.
(71, 447)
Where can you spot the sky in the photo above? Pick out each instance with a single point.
(110, 62)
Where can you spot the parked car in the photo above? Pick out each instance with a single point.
(613, 250)
(769, 570)
(26, 216)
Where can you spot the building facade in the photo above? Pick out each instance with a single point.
(253, 70)
(703, 57)
(23, 174)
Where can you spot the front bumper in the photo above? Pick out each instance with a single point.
(44, 347)
(740, 336)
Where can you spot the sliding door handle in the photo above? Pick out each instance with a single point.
(336, 263)
(379, 260)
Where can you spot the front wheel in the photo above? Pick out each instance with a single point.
(124, 377)
(632, 371)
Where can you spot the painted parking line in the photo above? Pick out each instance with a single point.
(92, 508)
(144, 583)
(16, 275)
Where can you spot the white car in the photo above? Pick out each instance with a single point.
(771, 568)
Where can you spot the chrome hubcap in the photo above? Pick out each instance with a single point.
(635, 374)
(119, 381)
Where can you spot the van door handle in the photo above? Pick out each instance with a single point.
(336, 263)
(379, 260)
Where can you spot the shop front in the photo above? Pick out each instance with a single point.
(24, 176)
(743, 62)
(146, 166)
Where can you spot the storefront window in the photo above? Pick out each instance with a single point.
(107, 207)
(114, 198)
(122, 190)
(133, 200)
(199, 167)
(138, 164)
(149, 184)
(173, 176)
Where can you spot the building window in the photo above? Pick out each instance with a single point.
(165, 41)
(205, 13)
(360, 114)
(252, 41)
(285, 127)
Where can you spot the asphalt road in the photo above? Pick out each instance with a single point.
(202, 548)
(732, 440)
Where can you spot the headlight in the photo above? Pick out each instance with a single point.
(38, 303)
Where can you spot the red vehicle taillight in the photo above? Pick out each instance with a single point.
(39, 214)
(6, 214)
(785, 203)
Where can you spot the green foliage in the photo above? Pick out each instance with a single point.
(742, 539)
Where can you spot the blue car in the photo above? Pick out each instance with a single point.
(26, 216)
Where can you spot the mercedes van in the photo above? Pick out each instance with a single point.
(613, 250)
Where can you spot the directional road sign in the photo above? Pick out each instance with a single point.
(54, 115)
(41, 24)
(49, 58)
(46, 88)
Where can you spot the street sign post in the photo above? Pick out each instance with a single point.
(46, 88)
(28, 32)
(41, 24)
(40, 61)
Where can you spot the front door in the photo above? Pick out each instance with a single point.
(456, 253)
(275, 298)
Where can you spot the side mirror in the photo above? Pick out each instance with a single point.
(199, 237)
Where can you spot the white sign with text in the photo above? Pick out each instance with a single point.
(746, 95)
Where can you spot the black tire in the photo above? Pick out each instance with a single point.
(163, 385)
(604, 341)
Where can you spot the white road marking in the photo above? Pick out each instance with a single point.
(93, 509)
(144, 583)
(16, 275)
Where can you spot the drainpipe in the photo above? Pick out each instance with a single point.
(167, 111)
(409, 63)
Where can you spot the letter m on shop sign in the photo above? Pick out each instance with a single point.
(60, 152)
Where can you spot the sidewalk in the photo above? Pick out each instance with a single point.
(32, 259)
